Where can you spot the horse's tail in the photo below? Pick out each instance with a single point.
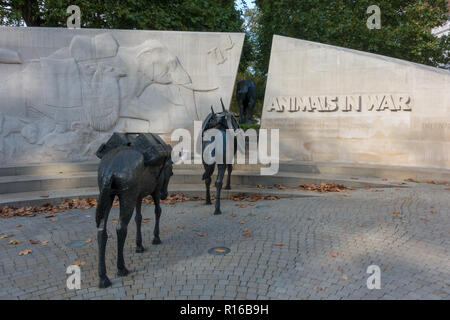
(103, 198)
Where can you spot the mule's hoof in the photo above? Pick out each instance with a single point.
(156, 241)
(217, 212)
(140, 249)
(122, 272)
(227, 188)
(208, 202)
(104, 283)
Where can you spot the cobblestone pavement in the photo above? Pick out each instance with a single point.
(328, 243)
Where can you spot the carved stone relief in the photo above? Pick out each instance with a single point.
(63, 104)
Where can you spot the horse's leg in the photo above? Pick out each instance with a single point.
(209, 169)
(156, 239)
(229, 169)
(138, 220)
(251, 103)
(219, 180)
(126, 211)
(240, 101)
(103, 207)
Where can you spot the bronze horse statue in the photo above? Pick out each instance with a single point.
(220, 121)
(123, 173)
(246, 99)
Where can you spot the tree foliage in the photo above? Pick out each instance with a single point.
(405, 27)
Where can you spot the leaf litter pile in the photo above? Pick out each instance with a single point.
(84, 204)
(324, 187)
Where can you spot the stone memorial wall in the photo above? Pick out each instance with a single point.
(339, 105)
(64, 91)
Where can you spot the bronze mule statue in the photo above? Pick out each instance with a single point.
(123, 172)
(246, 99)
(221, 121)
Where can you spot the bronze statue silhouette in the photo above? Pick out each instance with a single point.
(246, 98)
(127, 172)
(220, 121)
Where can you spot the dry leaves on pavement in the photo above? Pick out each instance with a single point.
(25, 252)
(252, 197)
(333, 254)
(324, 187)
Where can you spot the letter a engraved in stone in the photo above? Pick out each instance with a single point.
(374, 21)
(74, 21)
(274, 105)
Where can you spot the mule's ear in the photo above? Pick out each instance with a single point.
(212, 110)
(223, 107)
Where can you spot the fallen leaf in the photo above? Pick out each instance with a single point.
(34, 242)
(54, 219)
(220, 250)
(279, 244)
(424, 219)
(43, 243)
(19, 225)
(266, 218)
(243, 206)
(180, 227)
(344, 277)
(242, 222)
(333, 254)
(89, 240)
(233, 214)
(6, 236)
(433, 211)
(201, 234)
(79, 263)
(115, 219)
(395, 212)
(324, 187)
(14, 242)
(25, 252)
(146, 220)
(247, 234)
(319, 289)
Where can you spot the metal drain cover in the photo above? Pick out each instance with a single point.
(76, 244)
(219, 251)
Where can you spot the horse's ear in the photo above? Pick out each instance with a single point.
(223, 107)
(212, 110)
